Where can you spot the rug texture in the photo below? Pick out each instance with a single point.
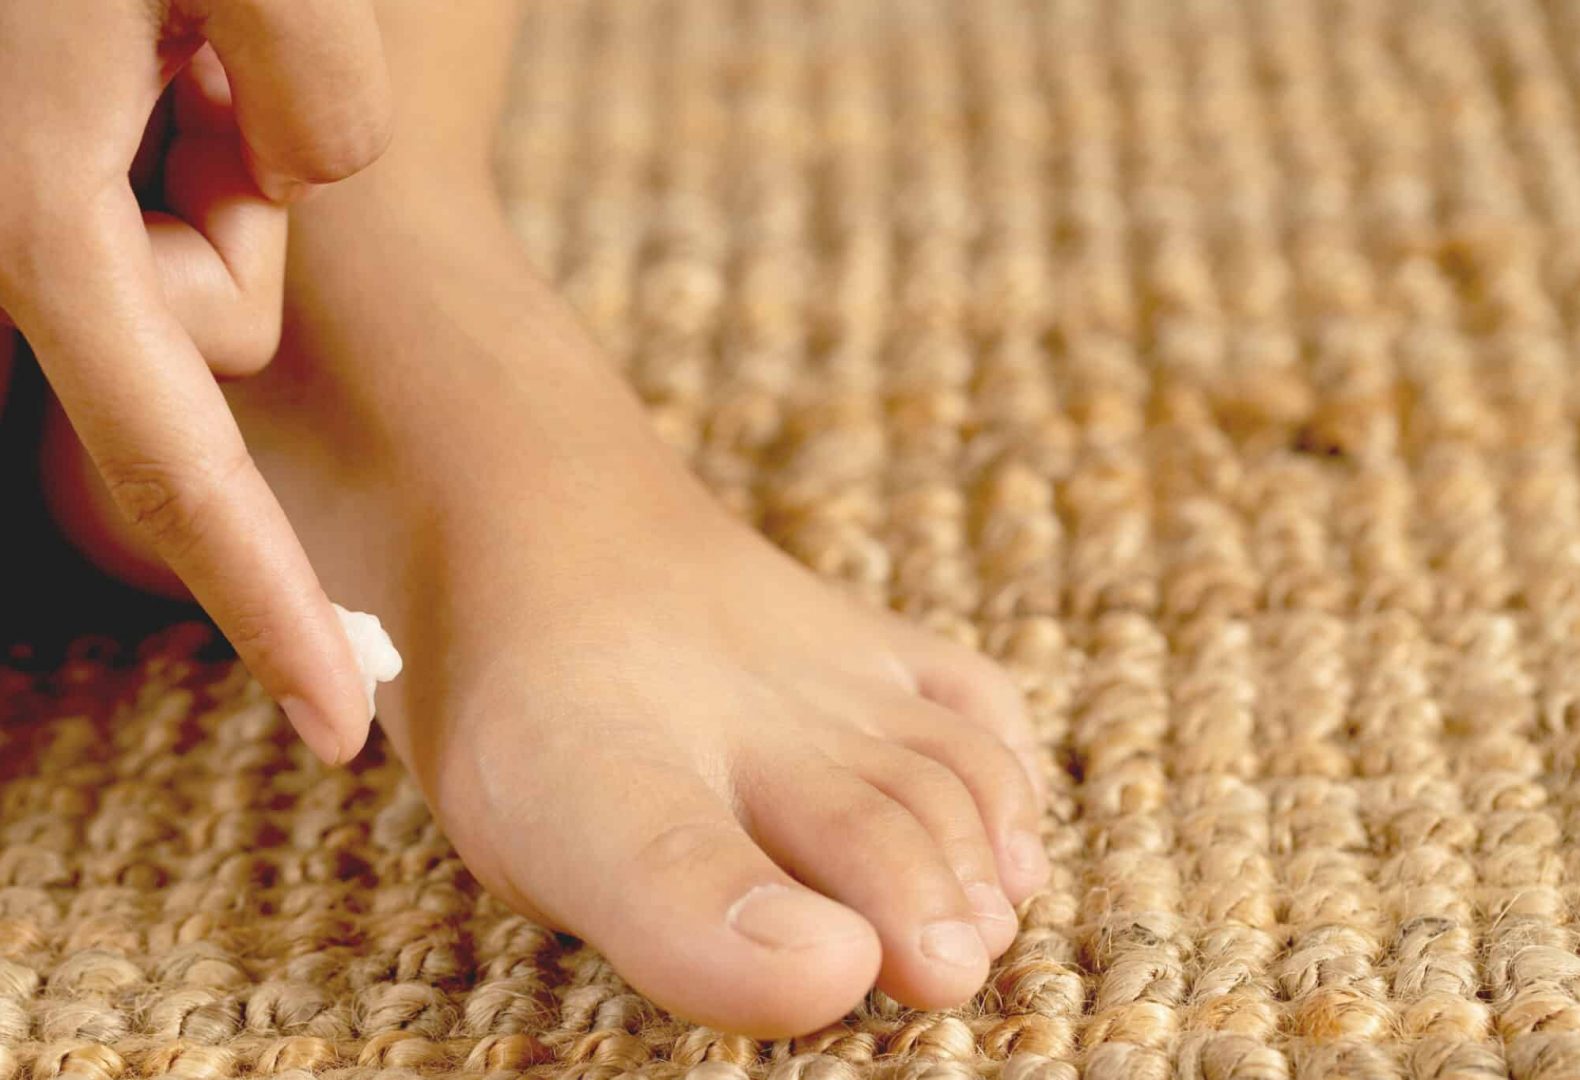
(1208, 362)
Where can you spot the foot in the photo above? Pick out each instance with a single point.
(636, 720)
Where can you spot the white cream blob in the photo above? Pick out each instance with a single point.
(375, 652)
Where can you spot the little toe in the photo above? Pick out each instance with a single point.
(845, 838)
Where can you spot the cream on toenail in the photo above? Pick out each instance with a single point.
(783, 917)
(955, 943)
(375, 652)
(989, 902)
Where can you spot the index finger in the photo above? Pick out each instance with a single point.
(158, 429)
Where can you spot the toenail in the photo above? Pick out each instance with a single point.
(782, 917)
(1026, 852)
(989, 902)
(953, 942)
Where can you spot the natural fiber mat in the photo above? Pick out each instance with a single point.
(1208, 362)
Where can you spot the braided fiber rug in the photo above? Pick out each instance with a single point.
(1208, 362)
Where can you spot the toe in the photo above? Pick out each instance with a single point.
(664, 881)
(937, 797)
(991, 773)
(974, 687)
(846, 838)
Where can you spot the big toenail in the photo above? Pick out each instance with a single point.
(989, 902)
(782, 917)
(1026, 852)
(953, 942)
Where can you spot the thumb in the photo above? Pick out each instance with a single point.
(311, 89)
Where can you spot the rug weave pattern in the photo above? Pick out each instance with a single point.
(1208, 362)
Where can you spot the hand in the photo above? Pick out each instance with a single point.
(122, 307)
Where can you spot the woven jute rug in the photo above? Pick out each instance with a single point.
(1211, 363)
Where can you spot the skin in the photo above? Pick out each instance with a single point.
(755, 819)
(123, 307)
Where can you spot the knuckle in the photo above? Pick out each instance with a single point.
(248, 633)
(873, 821)
(684, 847)
(944, 793)
(970, 856)
(892, 838)
(164, 502)
(932, 782)
(987, 751)
(151, 498)
(989, 770)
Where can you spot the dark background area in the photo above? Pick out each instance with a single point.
(49, 595)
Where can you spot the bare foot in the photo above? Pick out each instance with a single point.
(636, 719)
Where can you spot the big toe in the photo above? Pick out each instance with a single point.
(666, 884)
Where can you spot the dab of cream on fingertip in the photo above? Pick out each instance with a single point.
(376, 655)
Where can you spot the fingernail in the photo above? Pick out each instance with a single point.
(782, 917)
(953, 942)
(315, 731)
(989, 902)
(1027, 855)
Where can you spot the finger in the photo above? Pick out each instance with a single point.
(158, 429)
(311, 88)
(221, 250)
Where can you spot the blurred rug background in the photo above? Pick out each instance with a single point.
(1208, 362)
